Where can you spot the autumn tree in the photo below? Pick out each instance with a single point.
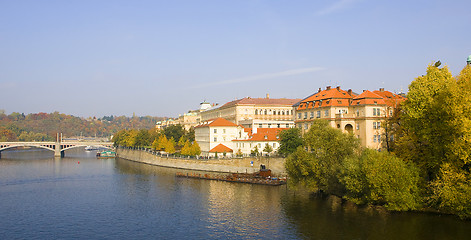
(268, 149)
(195, 149)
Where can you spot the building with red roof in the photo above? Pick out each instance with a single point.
(360, 114)
(224, 138)
(255, 112)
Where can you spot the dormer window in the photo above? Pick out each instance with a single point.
(266, 137)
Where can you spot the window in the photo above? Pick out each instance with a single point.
(379, 138)
(374, 138)
(269, 125)
(274, 145)
(305, 126)
(305, 115)
(256, 111)
(259, 145)
(215, 139)
(376, 112)
(287, 125)
(224, 130)
(318, 114)
(358, 113)
(278, 125)
(312, 114)
(259, 125)
(358, 126)
(299, 115)
(376, 125)
(215, 131)
(326, 113)
(265, 112)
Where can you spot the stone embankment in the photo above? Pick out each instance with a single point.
(230, 165)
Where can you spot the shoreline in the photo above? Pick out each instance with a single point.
(229, 165)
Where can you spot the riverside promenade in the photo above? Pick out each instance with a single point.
(223, 165)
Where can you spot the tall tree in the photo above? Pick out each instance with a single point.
(432, 117)
(290, 140)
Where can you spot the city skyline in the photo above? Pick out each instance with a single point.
(157, 58)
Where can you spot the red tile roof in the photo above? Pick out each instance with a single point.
(327, 98)
(221, 148)
(338, 97)
(264, 134)
(390, 98)
(218, 122)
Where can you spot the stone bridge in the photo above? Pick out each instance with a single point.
(57, 147)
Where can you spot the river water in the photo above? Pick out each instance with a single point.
(81, 197)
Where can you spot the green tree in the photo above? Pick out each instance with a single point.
(452, 191)
(174, 131)
(182, 141)
(290, 140)
(329, 146)
(380, 178)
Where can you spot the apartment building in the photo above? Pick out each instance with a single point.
(360, 114)
(255, 112)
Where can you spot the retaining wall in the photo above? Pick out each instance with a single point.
(234, 165)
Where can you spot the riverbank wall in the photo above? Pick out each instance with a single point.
(230, 165)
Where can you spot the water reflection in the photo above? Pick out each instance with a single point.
(80, 196)
(320, 217)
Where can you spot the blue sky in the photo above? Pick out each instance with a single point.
(162, 58)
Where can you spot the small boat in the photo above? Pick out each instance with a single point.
(106, 154)
(91, 148)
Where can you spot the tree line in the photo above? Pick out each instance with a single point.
(45, 126)
(427, 163)
(160, 140)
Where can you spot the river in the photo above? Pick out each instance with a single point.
(81, 197)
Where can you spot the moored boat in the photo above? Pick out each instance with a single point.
(106, 154)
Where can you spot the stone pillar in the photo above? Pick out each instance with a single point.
(57, 147)
(57, 150)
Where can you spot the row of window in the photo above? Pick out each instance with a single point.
(273, 112)
(242, 145)
(278, 125)
(223, 130)
(377, 138)
(317, 114)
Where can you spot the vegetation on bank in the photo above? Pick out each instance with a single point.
(427, 165)
(45, 126)
(160, 140)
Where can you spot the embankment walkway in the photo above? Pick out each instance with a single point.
(231, 165)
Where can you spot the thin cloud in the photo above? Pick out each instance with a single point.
(335, 7)
(262, 76)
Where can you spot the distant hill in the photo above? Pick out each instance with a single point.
(44, 126)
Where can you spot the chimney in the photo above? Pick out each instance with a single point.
(320, 89)
(349, 92)
(327, 88)
(381, 89)
(338, 88)
(364, 90)
(268, 95)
